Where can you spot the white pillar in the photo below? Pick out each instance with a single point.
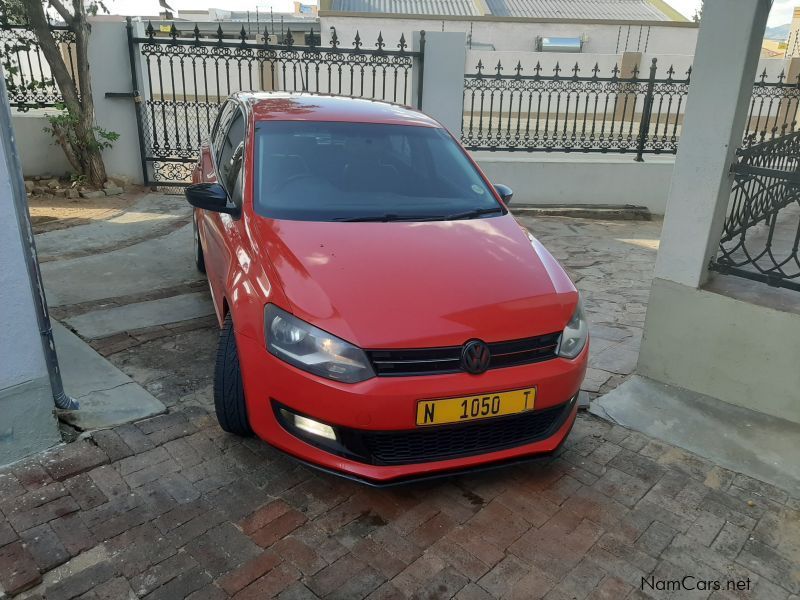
(724, 69)
(443, 77)
(27, 421)
(109, 62)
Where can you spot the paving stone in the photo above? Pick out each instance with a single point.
(277, 528)
(770, 564)
(73, 533)
(18, 569)
(44, 513)
(222, 548)
(30, 474)
(83, 489)
(112, 444)
(161, 573)
(246, 574)
(73, 459)
(45, 547)
(270, 585)
(444, 584)
(7, 534)
(501, 579)
(81, 582)
(181, 586)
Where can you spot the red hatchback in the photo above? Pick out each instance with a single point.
(383, 315)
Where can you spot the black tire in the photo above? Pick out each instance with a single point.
(228, 390)
(199, 257)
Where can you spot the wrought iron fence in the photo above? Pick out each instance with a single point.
(567, 112)
(27, 74)
(184, 78)
(762, 230)
(621, 112)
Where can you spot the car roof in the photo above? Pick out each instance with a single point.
(307, 106)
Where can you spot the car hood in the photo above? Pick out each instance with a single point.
(418, 284)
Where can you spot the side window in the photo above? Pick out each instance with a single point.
(221, 126)
(228, 157)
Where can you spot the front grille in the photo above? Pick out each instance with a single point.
(435, 361)
(463, 439)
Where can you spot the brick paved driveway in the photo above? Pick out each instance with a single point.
(172, 507)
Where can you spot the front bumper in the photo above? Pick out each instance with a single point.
(386, 406)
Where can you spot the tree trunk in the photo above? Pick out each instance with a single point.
(80, 106)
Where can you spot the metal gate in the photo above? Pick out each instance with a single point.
(761, 235)
(181, 76)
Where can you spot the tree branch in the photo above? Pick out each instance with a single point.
(62, 11)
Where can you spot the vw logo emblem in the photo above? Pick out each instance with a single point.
(475, 357)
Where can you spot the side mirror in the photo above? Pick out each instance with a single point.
(210, 196)
(504, 192)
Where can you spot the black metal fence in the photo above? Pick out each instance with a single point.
(184, 78)
(762, 230)
(567, 111)
(27, 74)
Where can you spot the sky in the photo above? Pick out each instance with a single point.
(781, 9)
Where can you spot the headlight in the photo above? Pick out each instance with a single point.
(313, 350)
(575, 334)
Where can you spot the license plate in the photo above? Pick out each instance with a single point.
(470, 408)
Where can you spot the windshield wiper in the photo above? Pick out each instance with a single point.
(471, 214)
(384, 218)
(387, 217)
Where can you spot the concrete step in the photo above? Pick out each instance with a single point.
(107, 396)
(605, 212)
(109, 321)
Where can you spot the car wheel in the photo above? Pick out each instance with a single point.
(199, 259)
(228, 390)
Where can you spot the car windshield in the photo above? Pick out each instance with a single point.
(333, 171)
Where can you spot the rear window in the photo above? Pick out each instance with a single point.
(324, 171)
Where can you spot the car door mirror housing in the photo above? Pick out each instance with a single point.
(210, 196)
(505, 192)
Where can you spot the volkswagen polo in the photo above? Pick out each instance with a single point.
(382, 314)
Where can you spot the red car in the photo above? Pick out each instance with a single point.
(383, 315)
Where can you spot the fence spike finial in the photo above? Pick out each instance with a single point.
(334, 39)
(498, 68)
(150, 31)
(670, 72)
(518, 68)
(219, 33)
(595, 70)
(312, 39)
(265, 37)
(402, 45)
(557, 69)
(357, 43)
(196, 33)
(173, 32)
(379, 45)
(243, 35)
(764, 75)
(288, 39)
(635, 71)
(575, 70)
(479, 68)
(615, 71)
(781, 77)
(537, 68)
(688, 74)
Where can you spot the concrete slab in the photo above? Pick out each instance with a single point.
(152, 215)
(153, 264)
(739, 439)
(107, 396)
(103, 323)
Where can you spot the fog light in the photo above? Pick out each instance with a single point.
(310, 425)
